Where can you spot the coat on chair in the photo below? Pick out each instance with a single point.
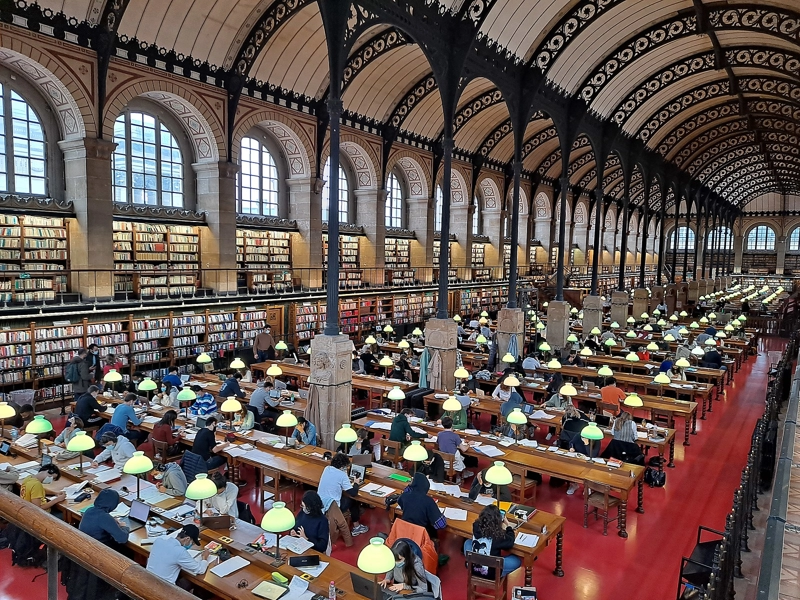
(417, 534)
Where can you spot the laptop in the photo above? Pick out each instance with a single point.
(303, 394)
(185, 378)
(367, 588)
(602, 420)
(201, 422)
(357, 472)
(364, 460)
(137, 517)
(527, 408)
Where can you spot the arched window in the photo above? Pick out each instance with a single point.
(394, 202)
(23, 168)
(720, 239)
(794, 240)
(761, 238)
(437, 209)
(507, 227)
(147, 163)
(683, 242)
(344, 194)
(476, 217)
(257, 188)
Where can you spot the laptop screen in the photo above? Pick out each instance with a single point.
(201, 422)
(185, 378)
(139, 511)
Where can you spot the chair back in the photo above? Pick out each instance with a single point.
(391, 451)
(160, 452)
(193, 464)
(449, 463)
(590, 487)
(412, 544)
(477, 584)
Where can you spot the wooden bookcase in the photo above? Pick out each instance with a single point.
(350, 276)
(478, 255)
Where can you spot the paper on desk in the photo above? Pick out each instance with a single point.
(5, 466)
(150, 419)
(259, 456)
(490, 451)
(506, 442)
(97, 469)
(189, 436)
(296, 544)
(641, 435)
(246, 447)
(528, 443)
(432, 439)
(540, 414)
(484, 500)
(298, 590)
(180, 512)
(370, 487)
(122, 510)
(315, 571)
(417, 430)
(380, 425)
(528, 540)
(235, 451)
(156, 498)
(472, 431)
(107, 475)
(455, 514)
(231, 565)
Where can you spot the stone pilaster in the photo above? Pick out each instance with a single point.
(510, 323)
(671, 296)
(657, 294)
(541, 232)
(493, 228)
(592, 314)
(371, 215)
(738, 246)
(557, 323)
(780, 249)
(619, 307)
(718, 283)
(420, 221)
(305, 207)
(87, 171)
(216, 196)
(461, 226)
(441, 338)
(641, 299)
(332, 374)
(681, 296)
(693, 291)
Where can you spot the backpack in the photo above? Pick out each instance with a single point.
(73, 373)
(654, 477)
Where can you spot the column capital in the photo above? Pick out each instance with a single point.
(87, 148)
(222, 169)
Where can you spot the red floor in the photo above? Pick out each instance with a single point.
(698, 491)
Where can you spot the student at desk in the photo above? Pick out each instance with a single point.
(311, 523)
(163, 432)
(97, 523)
(169, 555)
(116, 447)
(481, 487)
(24, 414)
(401, 430)
(408, 573)
(206, 446)
(305, 432)
(492, 525)
(32, 487)
(335, 486)
(224, 502)
(231, 386)
(450, 442)
(612, 396)
(624, 429)
(204, 404)
(167, 395)
(87, 407)
(124, 414)
(173, 378)
(74, 425)
(419, 508)
(245, 420)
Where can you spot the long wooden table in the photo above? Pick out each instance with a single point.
(714, 376)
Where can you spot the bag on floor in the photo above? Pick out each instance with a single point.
(654, 477)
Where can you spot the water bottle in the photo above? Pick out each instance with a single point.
(14, 434)
(332, 591)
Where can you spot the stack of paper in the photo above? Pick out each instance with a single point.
(151, 419)
(455, 514)
(296, 544)
(122, 510)
(314, 571)
(540, 414)
(528, 540)
(108, 476)
(377, 490)
(26, 441)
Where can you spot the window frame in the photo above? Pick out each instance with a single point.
(279, 159)
(754, 233)
(725, 235)
(174, 126)
(678, 235)
(343, 174)
(390, 208)
(794, 234)
(438, 207)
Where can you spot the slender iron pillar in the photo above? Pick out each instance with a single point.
(562, 231)
(598, 223)
(444, 244)
(512, 275)
(332, 299)
(623, 244)
(675, 242)
(686, 244)
(645, 228)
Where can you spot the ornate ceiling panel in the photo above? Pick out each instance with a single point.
(503, 149)
(470, 136)
(516, 27)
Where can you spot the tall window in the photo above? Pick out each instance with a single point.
(344, 194)
(794, 240)
(476, 217)
(257, 190)
(22, 146)
(437, 209)
(394, 202)
(720, 239)
(684, 243)
(761, 238)
(147, 163)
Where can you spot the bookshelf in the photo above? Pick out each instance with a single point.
(506, 259)
(265, 258)
(306, 320)
(350, 276)
(478, 255)
(752, 263)
(251, 322)
(398, 262)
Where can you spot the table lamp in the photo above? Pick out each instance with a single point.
(630, 321)
(457, 318)
(568, 390)
(704, 320)
(460, 373)
(694, 325)
(742, 318)
(202, 488)
(386, 363)
(237, 363)
(417, 332)
(281, 346)
(38, 426)
(484, 314)
(544, 347)
(112, 377)
(540, 326)
(572, 338)
(586, 351)
(630, 334)
(728, 328)
(653, 347)
(138, 465)
(277, 520)
(661, 379)
(481, 339)
(580, 315)
(148, 386)
(683, 331)
(661, 322)
(712, 315)
(509, 358)
(605, 372)
(721, 335)
(633, 401)
(656, 312)
(230, 407)
(592, 433)
(415, 452)
(403, 345)
(517, 417)
(710, 342)
(614, 325)
(482, 320)
(644, 316)
(203, 358)
(596, 331)
(632, 357)
(698, 351)
(545, 305)
(185, 397)
(286, 420)
(452, 405)
(388, 329)
(80, 443)
(6, 412)
(346, 435)
(682, 363)
(673, 317)
(683, 314)
(610, 343)
(573, 311)
(669, 337)
(376, 559)
(370, 340)
(396, 394)
(553, 364)
(498, 475)
(647, 327)
(511, 380)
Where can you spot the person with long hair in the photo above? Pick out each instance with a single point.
(311, 523)
(164, 431)
(624, 429)
(492, 528)
(408, 573)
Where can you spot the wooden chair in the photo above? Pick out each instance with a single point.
(609, 410)
(392, 451)
(478, 585)
(598, 496)
(450, 472)
(522, 487)
(161, 454)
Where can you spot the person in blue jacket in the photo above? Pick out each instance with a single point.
(100, 525)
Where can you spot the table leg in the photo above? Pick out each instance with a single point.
(559, 572)
(623, 519)
(640, 508)
(710, 408)
(703, 415)
(672, 454)
(685, 432)
(528, 571)
(694, 423)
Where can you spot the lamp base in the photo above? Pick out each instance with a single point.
(278, 561)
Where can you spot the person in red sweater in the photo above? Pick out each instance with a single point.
(163, 432)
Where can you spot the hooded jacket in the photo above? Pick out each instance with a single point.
(401, 427)
(418, 507)
(99, 524)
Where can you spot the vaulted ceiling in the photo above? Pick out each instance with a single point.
(712, 87)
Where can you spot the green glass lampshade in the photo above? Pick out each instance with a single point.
(147, 385)
(286, 419)
(631, 334)
(682, 363)
(662, 379)
(388, 329)
(498, 474)
(661, 322)
(605, 371)
(630, 320)
(592, 432)
(644, 316)
(281, 345)
(274, 370)
(683, 313)
(481, 339)
(203, 358)
(231, 405)
(396, 393)
(186, 395)
(742, 318)
(484, 314)
(385, 362)
(461, 373)
(457, 318)
(704, 320)
(202, 488)
(452, 405)
(580, 315)
(6, 410)
(586, 351)
(517, 417)
(614, 325)
(278, 519)
(673, 318)
(712, 315)
(403, 345)
(728, 328)
(572, 338)
(721, 335)
(669, 337)
(698, 351)
(544, 347)
(511, 381)
(683, 331)
(112, 376)
(39, 425)
(648, 327)
(415, 452)
(80, 442)
(540, 326)
(376, 557)
(545, 305)
(694, 325)
(610, 343)
(656, 313)
(632, 357)
(237, 363)
(509, 358)
(346, 435)
(139, 463)
(652, 347)
(573, 311)
(710, 342)
(371, 340)
(417, 332)
(568, 390)
(633, 401)
(596, 330)
(553, 364)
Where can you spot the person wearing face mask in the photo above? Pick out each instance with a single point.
(88, 408)
(167, 395)
(206, 446)
(32, 487)
(125, 415)
(311, 523)
(204, 404)
(173, 377)
(169, 555)
(133, 383)
(224, 502)
(97, 523)
(94, 363)
(116, 447)
(408, 573)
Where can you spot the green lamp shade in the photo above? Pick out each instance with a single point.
(415, 452)
(645, 316)
(281, 345)
(509, 358)
(498, 474)
(545, 305)
(39, 425)
(461, 373)
(728, 328)
(662, 379)
(704, 320)
(540, 326)
(693, 325)
(346, 435)
(614, 325)
(147, 385)
(633, 400)
(112, 376)
(605, 371)
(286, 419)
(580, 315)
(202, 488)
(80, 442)
(592, 432)
(632, 357)
(186, 395)
(698, 351)
(682, 363)
(481, 339)
(139, 463)
(673, 318)
(203, 358)
(457, 318)
(544, 347)
(683, 331)
(385, 362)
(652, 346)
(417, 332)
(630, 334)
(586, 351)
(277, 519)
(274, 370)
(511, 381)
(712, 315)
(452, 405)
(648, 327)
(517, 417)
(568, 390)
(396, 393)
(661, 322)
(742, 318)
(656, 312)
(573, 311)
(710, 342)
(596, 330)
(237, 363)
(610, 343)
(572, 338)
(683, 313)
(630, 320)
(371, 340)
(388, 329)
(6, 410)
(231, 405)
(669, 338)
(484, 314)
(721, 335)
(403, 345)
(554, 364)
(376, 557)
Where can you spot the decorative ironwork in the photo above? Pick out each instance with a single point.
(494, 137)
(476, 11)
(158, 212)
(774, 108)
(588, 178)
(359, 20)
(400, 232)
(734, 141)
(743, 168)
(729, 158)
(346, 228)
(701, 93)
(548, 163)
(425, 86)
(681, 133)
(372, 49)
(701, 142)
(580, 162)
(266, 222)
(36, 204)
(778, 23)
(538, 139)
(476, 106)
